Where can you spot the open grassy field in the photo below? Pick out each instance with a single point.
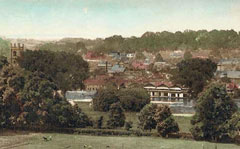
(183, 121)
(63, 141)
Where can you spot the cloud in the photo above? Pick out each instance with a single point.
(85, 10)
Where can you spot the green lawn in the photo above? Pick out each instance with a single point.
(101, 142)
(184, 122)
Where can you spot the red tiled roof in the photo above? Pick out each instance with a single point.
(91, 55)
(94, 82)
(231, 85)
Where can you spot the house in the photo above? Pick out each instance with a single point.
(130, 55)
(116, 69)
(92, 57)
(177, 54)
(94, 84)
(166, 93)
(104, 64)
(233, 75)
(80, 96)
(160, 65)
(230, 87)
(138, 65)
(228, 64)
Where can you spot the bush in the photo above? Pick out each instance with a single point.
(116, 116)
(146, 117)
(104, 99)
(128, 125)
(133, 99)
(213, 119)
(165, 121)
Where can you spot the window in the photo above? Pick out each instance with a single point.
(14, 53)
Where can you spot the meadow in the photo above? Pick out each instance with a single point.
(61, 141)
(183, 121)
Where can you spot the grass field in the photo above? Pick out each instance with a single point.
(184, 122)
(63, 141)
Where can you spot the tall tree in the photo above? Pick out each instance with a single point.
(31, 100)
(214, 111)
(67, 70)
(194, 74)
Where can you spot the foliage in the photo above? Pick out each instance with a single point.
(146, 117)
(116, 116)
(194, 74)
(66, 70)
(186, 40)
(128, 125)
(214, 109)
(31, 100)
(99, 122)
(165, 121)
(104, 98)
(3, 61)
(5, 48)
(133, 99)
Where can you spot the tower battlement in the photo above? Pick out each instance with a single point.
(16, 49)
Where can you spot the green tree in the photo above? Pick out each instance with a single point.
(66, 70)
(104, 98)
(4, 48)
(133, 99)
(116, 116)
(194, 74)
(165, 121)
(3, 61)
(146, 117)
(214, 110)
(31, 100)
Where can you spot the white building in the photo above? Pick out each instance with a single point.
(167, 94)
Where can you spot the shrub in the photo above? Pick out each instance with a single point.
(128, 125)
(116, 116)
(146, 117)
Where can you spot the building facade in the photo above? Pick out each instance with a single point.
(167, 94)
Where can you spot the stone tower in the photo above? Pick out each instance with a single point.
(16, 50)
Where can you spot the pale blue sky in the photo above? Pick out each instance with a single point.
(101, 18)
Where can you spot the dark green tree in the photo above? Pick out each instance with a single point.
(146, 117)
(116, 116)
(133, 99)
(165, 121)
(31, 100)
(66, 70)
(214, 110)
(104, 98)
(3, 61)
(194, 74)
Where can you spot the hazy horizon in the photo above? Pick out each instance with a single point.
(57, 19)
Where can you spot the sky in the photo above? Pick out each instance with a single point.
(54, 19)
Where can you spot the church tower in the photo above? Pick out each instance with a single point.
(16, 52)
